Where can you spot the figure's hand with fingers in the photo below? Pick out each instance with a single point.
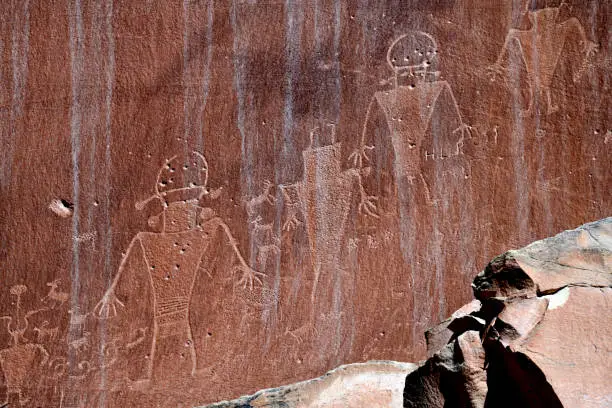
(292, 223)
(367, 205)
(591, 48)
(248, 276)
(465, 130)
(360, 156)
(107, 306)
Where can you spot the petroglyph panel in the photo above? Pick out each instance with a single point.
(201, 199)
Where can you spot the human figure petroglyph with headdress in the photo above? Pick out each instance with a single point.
(158, 273)
(417, 104)
(416, 116)
(540, 48)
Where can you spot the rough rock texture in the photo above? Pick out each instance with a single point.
(545, 331)
(515, 347)
(200, 199)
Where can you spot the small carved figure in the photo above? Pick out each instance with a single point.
(263, 233)
(54, 295)
(540, 48)
(253, 204)
(81, 344)
(265, 240)
(57, 367)
(77, 320)
(21, 359)
(45, 333)
(138, 337)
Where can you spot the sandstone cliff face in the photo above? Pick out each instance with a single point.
(200, 199)
(538, 334)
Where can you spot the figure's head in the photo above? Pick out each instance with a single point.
(181, 183)
(415, 52)
(540, 12)
(182, 178)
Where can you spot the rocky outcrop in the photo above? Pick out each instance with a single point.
(376, 384)
(538, 334)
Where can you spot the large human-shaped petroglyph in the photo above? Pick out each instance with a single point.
(540, 48)
(421, 112)
(418, 117)
(159, 270)
(324, 197)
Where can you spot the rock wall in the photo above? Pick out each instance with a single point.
(201, 199)
(537, 335)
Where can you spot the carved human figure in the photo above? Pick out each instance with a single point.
(157, 275)
(265, 240)
(324, 197)
(540, 48)
(416, 117)
(22, 359)
(420, 110)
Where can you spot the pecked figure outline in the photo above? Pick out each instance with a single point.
(324, 198)
(540, 48)
(415, 96)
(165, 267)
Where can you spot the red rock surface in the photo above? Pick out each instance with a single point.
(365, 157)
(519, 350)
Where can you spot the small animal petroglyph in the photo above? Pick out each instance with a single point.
(46, 333)
(137, 337)
(58, 298)
(81, 344)
(21, 359)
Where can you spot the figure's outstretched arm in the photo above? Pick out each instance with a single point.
(248, 274)
(464, 129)
(496, 68)
(107, 306)
(367, 203)
(590, 47)
(292, 221)
(360, 155)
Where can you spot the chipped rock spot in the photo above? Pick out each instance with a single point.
(62, 208)
(558, 299)
(86, 237)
